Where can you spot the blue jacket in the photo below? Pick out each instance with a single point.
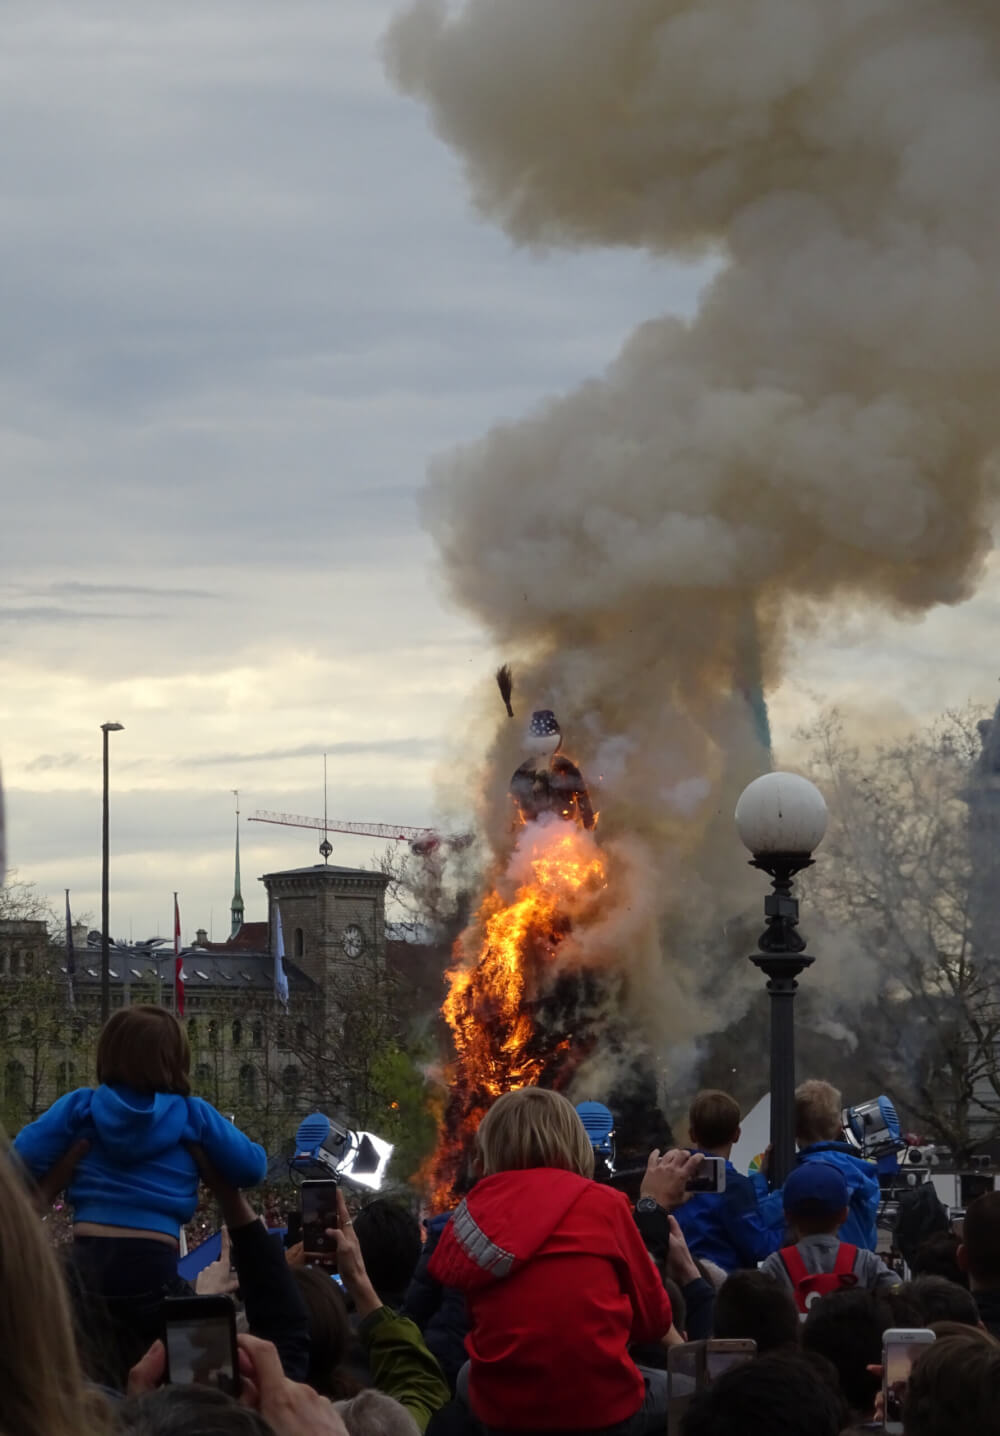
(736, 1228)
(137, 1172)
(862, 1186)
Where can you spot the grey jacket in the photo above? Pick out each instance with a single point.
(819, 1254)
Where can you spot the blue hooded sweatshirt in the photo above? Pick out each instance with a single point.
(138, 1173)
(863, 1188)
(736, 1228)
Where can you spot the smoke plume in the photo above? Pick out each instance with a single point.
(825, 429)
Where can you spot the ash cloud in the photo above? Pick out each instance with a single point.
(824, 429)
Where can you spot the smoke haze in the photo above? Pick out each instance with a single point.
(827, 426)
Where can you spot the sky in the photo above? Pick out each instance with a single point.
(245, 301)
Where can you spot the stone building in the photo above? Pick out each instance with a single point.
(252, 1057)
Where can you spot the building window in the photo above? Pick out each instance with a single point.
(203, 1077)
(237, 1032)
(291, 1079)
(213, 1033)
(65, 1077)
(193, 1031)
(25, 1029)
(300, 942)
(248, 1084)
(301, 1035)
(14, 1084)
(257, 1035)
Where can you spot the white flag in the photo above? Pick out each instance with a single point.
(280, 976)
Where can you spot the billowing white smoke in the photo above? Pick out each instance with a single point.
(827, 426)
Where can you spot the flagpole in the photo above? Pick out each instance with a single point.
(70, 955)
(178, 964)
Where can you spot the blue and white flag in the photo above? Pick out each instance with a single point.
(280, 975)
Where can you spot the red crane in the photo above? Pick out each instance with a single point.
(422, 841)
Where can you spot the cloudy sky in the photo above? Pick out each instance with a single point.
(245, 300)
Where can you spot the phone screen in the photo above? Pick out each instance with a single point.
(710, 1176)
(319, 1214)
(719, 1362)
(898, 1360)
(200, 1352)
(684, 1366)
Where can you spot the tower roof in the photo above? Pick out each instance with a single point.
(989, 732)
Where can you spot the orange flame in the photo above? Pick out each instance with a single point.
(492, 1001)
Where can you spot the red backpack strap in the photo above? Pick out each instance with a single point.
(794, 1265)
(846, 1257)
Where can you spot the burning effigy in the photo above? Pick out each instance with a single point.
(519, 1010)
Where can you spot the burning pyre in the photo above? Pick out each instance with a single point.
(516, 1005)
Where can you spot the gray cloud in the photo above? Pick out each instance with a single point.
(390, 747)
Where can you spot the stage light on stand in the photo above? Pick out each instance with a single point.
(326, 1147)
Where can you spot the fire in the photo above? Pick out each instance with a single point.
(511, 1025)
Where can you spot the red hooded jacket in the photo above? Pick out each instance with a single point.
(558, 1283)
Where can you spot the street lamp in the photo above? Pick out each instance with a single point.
(781, 818)
(106, 728)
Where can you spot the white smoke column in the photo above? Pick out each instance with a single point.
(825, 428)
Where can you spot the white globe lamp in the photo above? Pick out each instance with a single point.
(781, 814)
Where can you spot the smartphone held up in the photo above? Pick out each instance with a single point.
(199, 1335)
(710, 1176)
(900, 1348)
(319, 1216)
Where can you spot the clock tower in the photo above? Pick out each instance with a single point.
(332, 919)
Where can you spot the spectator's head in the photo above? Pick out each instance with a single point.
(533, 1127)
(145, 1048)
(372, 1413)
(778, 1392)
(389, 1237)
(816, 1199)
(181, 1410)
(942, 1300)
(954, 1387)
(714, 1121)
(817, 1113)
(979, 1252)
(846, 1327)
(42, 1390)
(329, 1331)
(751, 1304)
(937, 1255)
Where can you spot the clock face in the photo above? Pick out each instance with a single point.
(353, 940)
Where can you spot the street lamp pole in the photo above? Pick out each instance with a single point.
(106, 728)
(781, 819)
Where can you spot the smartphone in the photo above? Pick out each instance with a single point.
(686, 1376)
(710, 1176)
(319, 1214)
(900, 1347)
(722, 1356)
(199, 1334)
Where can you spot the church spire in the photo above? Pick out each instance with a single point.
(237, 907)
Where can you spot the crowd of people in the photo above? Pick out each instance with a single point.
(548, 1300)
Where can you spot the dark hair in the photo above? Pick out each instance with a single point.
(981, 1239)
(955, 1386)
(846, 1327)
(937, 1256)
(713, 1119)
(752, 1304)
(180, 1410)
(942, 1300)
(389, 1238)
(145, 1048)
(777, 1392)
(329, 1332)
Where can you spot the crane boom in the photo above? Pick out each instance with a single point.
(392, 832)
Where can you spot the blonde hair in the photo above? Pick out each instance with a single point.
(817, 1113)
(42, 1390)
(534, 1128)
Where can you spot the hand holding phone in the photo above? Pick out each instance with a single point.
(319, 1215)
(710, 1176)
(900, 1347)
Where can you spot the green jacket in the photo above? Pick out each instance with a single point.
(401, 1366)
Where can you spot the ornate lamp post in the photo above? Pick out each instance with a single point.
(781, 818)
(106, 728)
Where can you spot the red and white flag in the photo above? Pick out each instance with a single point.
(178, 965)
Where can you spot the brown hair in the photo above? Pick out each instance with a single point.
(817, 1113)
(42, 1390)
(145, 1048)
(981, 1239)
(954, 1386)
(714, 1119)
(534, 1127)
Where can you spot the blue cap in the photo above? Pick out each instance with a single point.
(818, 1185)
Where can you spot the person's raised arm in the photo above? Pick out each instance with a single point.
(236, 1159)
(47, 1140)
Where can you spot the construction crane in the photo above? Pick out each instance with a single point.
(423, 841)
